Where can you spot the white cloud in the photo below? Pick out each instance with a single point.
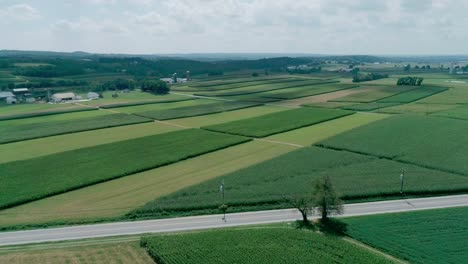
(19, 12)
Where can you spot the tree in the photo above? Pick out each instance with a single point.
(407, 68)
(304, 204)
(154, 86)
(326, 199)
(255, 74)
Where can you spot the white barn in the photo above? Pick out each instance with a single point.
(92, 96)
(63, 97)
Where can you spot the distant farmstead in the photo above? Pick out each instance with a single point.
(63, 97)
(92, 96)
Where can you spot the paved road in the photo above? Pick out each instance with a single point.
(214, 221)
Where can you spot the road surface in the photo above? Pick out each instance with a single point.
(214, 221)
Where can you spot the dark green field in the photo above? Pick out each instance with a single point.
(36, 178)
(36, 127)
(433, 142)
(426, 237)
(270, 124)
(355, 176)
(266, 245)
(195, 110)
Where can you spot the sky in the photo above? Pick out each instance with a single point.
(380, 27)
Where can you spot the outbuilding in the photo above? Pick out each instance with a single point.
(11, 100)
(62, 97)
(92, 96)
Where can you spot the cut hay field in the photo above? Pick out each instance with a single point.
(212, 119)
(267, 245)
(270, 124)
(373, 93)
(265, 185)
(117, 197)
(315, 133)
(23, 150)
(292, 93)
(70, 170)
(195, 110)
(264, 88)
(38, 127)
(429, 237)
(432, 142)
(99, 251)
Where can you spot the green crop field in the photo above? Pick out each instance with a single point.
(264, 88)
(23, 150)
(376, 93)
(292, 93)
(195, 110)
(70, 170)
(413, 95)
(256, 245)
(25, 109)
(131, 97)
(416, 108)
(460, 112)
(355, 176)
(313, 134)
(269, 124)
(433, 142)
(88, 252)
(201, 87)
(329, 104)
(160, 106)
(37, 127)
(457, 95)
(119, 196)
(426, 237)
(368, 106)
(212, 119)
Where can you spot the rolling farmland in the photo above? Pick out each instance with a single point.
(436, 236)
(266, 125)
(262, 245)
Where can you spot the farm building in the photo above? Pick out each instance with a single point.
(8, 97)
(92, 96)
(20, 90)
(171, 80)
(11, 100)
(63, 97)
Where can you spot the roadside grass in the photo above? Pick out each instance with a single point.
(274, 123)
(432, 142)
(24, 150)
(213, 119)
(265, 185)
(195, 110)
(377, 93)
(113, 199)
(39, 127)
(114, 253)
(434, 236)
(259, 245)
(265, 87)
(315, 133)
(293, 93)
(65, 171)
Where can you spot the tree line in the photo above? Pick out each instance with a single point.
(411, 81)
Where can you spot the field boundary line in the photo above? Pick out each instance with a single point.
(280, 142)
(374, 250)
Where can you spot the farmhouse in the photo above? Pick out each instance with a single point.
(63, 97)
(9, 97)
(171, 80)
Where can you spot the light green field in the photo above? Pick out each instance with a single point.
(44, 146)
(377, 93)
(161, 106)
(133, 96)
(117, 197)
(97, 251)
(213, 119)
(451, 96)
(313, 134)
(6, 110)
(417, 108)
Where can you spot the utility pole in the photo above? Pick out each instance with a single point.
(402, 180)
(221, 189)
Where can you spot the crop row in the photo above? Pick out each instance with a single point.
(32, 179)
